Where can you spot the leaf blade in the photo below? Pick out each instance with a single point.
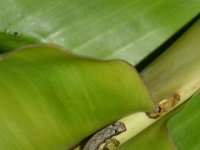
(184, 127)
(128, 30)
(51, 99)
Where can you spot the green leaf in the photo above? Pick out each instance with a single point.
(51, 99)
(184, 127)
(10, 42)
(127, 29)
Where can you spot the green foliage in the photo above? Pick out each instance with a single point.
(184, 127)
(53, 99)
(124, 29)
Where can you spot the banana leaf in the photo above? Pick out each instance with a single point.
(52, 99)
(128, 30)
(184, 127)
